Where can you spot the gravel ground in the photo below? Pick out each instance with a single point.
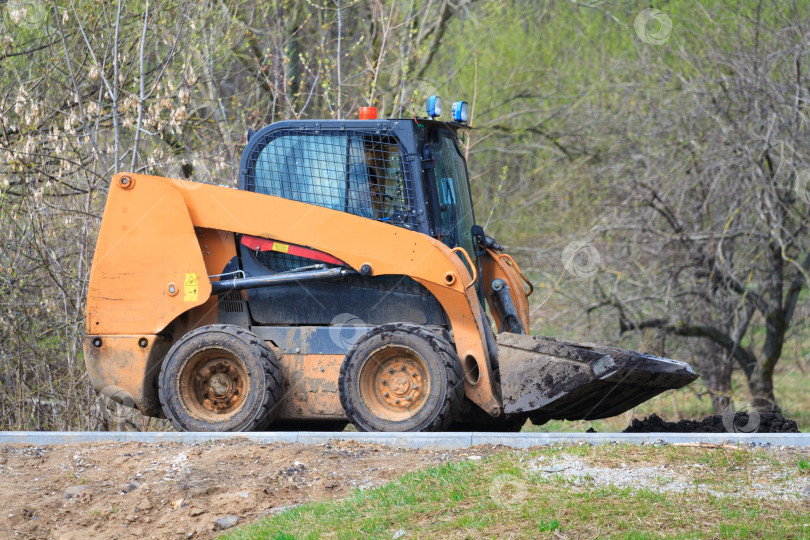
(758, 473)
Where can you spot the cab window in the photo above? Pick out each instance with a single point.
(354, 172)
(453, 190)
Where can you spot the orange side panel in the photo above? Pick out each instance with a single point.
(146, 249)
(217, 247)
(126, 368)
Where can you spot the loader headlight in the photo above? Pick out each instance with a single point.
(460, 112)
(433, 106)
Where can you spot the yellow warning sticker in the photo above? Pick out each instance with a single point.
(191, 287)
(278, 246)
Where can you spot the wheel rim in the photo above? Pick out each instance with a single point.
(213, 385)
(394, 383)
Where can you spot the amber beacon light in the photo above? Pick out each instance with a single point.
(368, 113)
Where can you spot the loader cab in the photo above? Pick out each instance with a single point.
(375, 169)
(409, 173)
(358, 167)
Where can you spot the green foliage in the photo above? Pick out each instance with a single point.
(583, 132)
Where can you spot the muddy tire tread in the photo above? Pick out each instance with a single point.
(452, 367)
(270, 363)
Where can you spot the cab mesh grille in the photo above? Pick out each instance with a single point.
(358, 172)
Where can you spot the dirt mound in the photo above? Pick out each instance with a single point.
(741, 422)
(139, 490)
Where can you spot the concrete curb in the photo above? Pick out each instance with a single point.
(428, 441)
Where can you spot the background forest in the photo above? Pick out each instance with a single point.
(647, 163)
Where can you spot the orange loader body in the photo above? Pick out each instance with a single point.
(161, 238)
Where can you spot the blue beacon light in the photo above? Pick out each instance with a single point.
(433, 106)
(460, 112)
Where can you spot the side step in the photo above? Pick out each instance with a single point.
(550, 379)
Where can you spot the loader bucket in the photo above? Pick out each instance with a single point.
(550, 379)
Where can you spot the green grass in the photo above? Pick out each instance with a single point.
(501, 497)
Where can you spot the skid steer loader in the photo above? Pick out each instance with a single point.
(345, 280)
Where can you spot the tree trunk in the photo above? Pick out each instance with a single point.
(715, 369)
(760, 384)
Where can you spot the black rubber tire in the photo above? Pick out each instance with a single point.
(264, 389)
(443, 367)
